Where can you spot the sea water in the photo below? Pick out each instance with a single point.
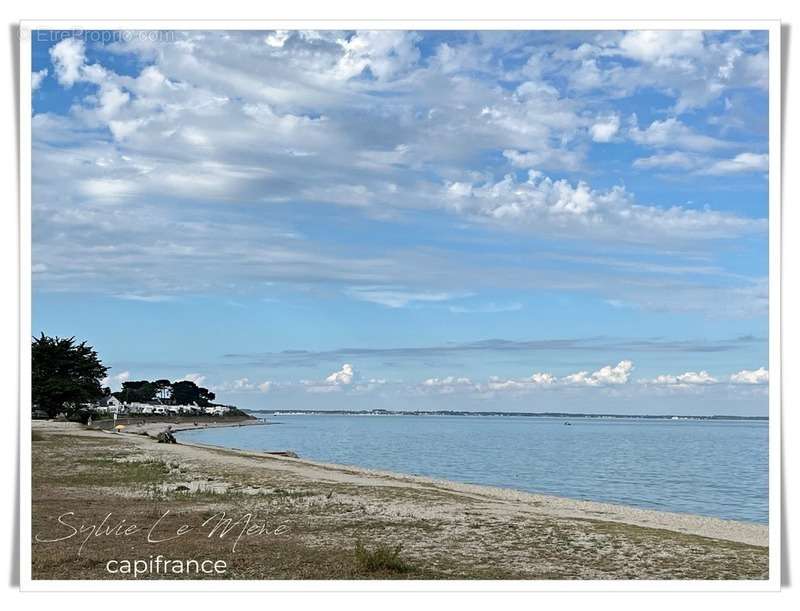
(706, 467)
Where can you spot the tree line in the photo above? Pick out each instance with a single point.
(182, 392)
(66, 375)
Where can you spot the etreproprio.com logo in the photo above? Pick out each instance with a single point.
(97, 36)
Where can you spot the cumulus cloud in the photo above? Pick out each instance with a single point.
(277, 38)
(756, 376)
(690, 378)
(607, 376)
(661, 46)
(197, 378)
(616, 378)
(605, 129)
(545, 205)
(693, 68)
(68, 58)
(536, 380)
(604, 376)
(374, 124)
(448, 385)
(37, 78)
(115, 381)
(343, 377)
(385, 53)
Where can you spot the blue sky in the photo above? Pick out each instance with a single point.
(441, 220)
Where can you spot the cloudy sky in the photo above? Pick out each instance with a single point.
(538, 221)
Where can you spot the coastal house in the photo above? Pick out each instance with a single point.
(136, 407)
(109, 405)
(217, 410)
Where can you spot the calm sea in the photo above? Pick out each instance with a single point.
(714, 468)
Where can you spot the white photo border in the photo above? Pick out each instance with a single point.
(775, 352)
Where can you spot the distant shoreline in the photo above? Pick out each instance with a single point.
(341, 412)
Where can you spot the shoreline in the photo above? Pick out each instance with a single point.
(750, 533)
(340, 521)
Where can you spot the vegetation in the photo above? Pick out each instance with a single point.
(182, 392)
(380, 559)
(67, 377)
(64, 374)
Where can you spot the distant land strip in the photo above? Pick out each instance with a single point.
(383, 412)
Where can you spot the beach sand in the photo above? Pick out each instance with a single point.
(407, 526)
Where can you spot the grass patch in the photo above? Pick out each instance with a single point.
(380, 559)
(109, 472)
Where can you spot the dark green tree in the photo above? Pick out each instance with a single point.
(64, 374)
(186, 392)
(140, 391)
(163, 389)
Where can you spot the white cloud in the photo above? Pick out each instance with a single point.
(550, 206)
(395, 297)
(122, 129)
(672, 133)
(743, 162)
(536, 380)
(543, 378)
(447, 385)
(68, 57)
(544, 159)
(693, 68)
(115, 381)
(194, 377)
(675, 159)
(607, 375)
(277, 38)
(243, 385)
(386, 53)
(37, 78)
(661, 46)
(107, 188)
(605, 129)
(690, 378)
(145, 298)
(343, 377)
(704, 165)
(756, 376)
(360, 121)
(448, 381)
(110, 101)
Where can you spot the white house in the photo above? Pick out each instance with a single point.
(216, 410)
(140, 408)
(109, 405)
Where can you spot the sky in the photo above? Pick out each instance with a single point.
(513, 221)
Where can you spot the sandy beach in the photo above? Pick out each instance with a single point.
(434, 529)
